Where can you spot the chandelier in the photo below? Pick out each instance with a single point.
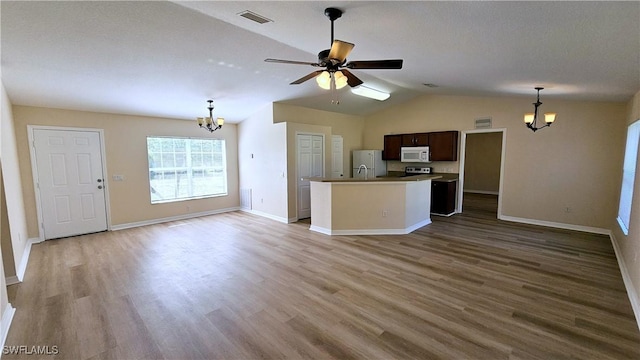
(531, 118)
(207, 123)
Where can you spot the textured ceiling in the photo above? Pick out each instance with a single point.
(162, 58)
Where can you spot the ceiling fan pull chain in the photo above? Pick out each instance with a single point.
(335, 93)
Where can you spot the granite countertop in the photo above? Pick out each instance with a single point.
(380, 179)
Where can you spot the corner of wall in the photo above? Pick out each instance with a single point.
(632, 292)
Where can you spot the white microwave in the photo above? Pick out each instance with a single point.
(415, 154)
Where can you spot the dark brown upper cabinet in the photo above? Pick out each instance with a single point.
(392, 145)
(443, 146)
(419, 139)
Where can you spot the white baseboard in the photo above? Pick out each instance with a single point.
(269, 216)
(628, 284)
(482, 192)
(7, 318)
(404, 231)
(22, 268)
(589, 229)
(24, 261)
(172, 218)
(444, 215)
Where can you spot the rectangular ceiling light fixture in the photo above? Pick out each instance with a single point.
(370, 93)
(254, 17)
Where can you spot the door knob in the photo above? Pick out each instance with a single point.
(99, 186)
(99, 180)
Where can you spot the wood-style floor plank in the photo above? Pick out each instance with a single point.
(239, 286)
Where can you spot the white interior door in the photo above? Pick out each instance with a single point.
(310, 157)
(337, 157)
(70, 182)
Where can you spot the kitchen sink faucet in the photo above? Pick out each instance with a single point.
(366, 171)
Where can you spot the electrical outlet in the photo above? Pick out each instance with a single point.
(385, 213)
(567, 209)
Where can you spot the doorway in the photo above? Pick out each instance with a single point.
(69, 182)
(482, 170)
(310, 163)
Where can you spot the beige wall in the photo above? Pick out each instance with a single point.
(576, 163)
(16, 215)
(5, 240)
(482, 162)
(263, 163)
(4, 300)
(628, 246)
(310, 121)
(270, 135)
(5, 111)
(350, 127)
(126, 154)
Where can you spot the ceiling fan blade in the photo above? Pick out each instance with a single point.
(340, 50)
(291, 62)
(352, 80)
(375, 64)
(307, 77)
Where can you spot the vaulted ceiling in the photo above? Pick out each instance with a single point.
(161, 58)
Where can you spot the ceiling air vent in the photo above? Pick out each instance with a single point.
(254, 17)
(483, 123)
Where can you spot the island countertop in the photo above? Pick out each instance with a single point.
(379, 179)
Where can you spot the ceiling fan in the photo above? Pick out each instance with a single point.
(334, 61)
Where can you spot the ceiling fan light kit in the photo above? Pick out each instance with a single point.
(530, 119)
(370, 93)
(334, 60)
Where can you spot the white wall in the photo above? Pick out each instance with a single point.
(262, 163)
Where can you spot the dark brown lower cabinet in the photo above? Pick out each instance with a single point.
(443, 197)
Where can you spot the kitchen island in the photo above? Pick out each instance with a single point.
(384, 205)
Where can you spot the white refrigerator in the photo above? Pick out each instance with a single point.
(372, 159)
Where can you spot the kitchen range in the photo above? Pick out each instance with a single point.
(412, 171)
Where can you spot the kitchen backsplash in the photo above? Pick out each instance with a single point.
(438, 166)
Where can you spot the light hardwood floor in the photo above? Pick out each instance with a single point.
(238, 286)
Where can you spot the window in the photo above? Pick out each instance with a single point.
(184, 168)
(628, 176)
